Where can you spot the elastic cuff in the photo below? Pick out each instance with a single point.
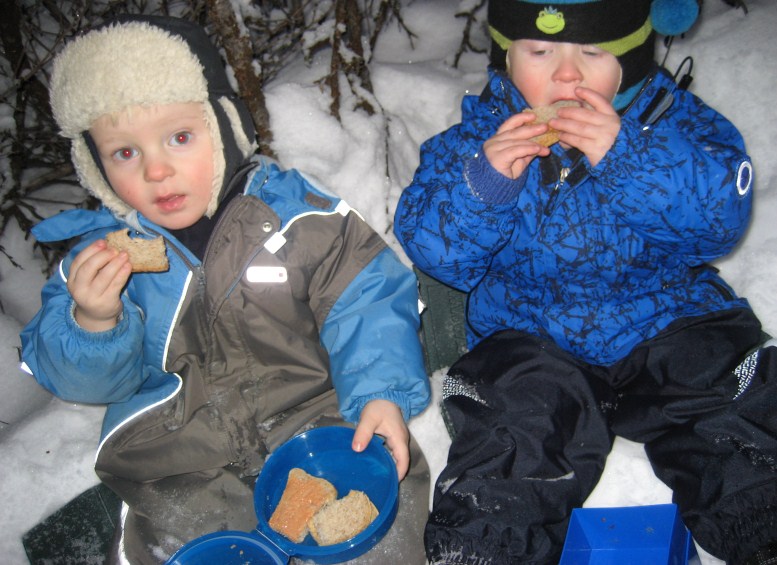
(488, 184)
(358, 404)
(104, 336)
(742, 524)
(752, 533)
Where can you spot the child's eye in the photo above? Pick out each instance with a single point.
(592, 51)
(181, 138)
(535, 48)
(124, 154)
(540, 51)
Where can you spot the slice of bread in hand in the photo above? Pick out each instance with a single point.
(544, 115)
(342, 519)
(303, 496)
(145, 255)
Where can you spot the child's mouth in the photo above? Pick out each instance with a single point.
(170, 203)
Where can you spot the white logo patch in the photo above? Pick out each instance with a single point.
(267, 275)
(744, 178)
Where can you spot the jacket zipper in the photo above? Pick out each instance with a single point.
(169, 245)
(562, 177)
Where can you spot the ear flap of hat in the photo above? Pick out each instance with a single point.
(92, 178)
(235, 130)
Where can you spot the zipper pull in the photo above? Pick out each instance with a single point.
(562, 176)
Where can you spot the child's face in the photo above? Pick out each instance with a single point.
(546, 71)
(159, 160)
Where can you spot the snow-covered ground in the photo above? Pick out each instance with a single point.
(47, 446)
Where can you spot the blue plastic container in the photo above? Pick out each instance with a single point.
(634, 535)
(323, 452)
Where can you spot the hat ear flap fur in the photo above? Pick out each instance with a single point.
(219, 162)
(242, 125)
(232, 132)
(91, 177)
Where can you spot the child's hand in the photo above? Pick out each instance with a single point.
(385, 418)
(97, 275)
(591, 129)
(509, 151)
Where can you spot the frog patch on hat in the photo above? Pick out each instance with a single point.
(550, 21)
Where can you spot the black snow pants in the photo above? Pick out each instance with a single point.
(532, 427)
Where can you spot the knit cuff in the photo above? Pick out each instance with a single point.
(488, 184)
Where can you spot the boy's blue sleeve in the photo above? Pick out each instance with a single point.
(443, 222)
(683, 183)
(77, 365)
(371, 334)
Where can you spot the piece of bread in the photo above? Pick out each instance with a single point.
(145, 255)
(342, 519)
(544, 115)
(303, 496)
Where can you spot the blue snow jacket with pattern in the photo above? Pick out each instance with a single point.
(598, 259)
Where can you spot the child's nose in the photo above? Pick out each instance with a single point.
(157, 169)
(567, 71)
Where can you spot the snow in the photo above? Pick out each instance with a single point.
(47, 445)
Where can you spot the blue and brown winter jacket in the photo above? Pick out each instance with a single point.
(597, 259)
(296, 294)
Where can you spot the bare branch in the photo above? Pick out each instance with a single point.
(240, 56)
(466, 40)
(388, 10)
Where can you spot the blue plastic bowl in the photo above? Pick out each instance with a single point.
(229, 548)
(322, 452)
(326, 452)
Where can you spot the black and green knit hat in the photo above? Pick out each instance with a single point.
(144, 61)
(625, 28)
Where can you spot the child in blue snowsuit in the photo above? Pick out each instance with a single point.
(267, 322)
(592, 309)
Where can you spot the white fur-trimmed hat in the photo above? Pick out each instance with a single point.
(146, 61)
